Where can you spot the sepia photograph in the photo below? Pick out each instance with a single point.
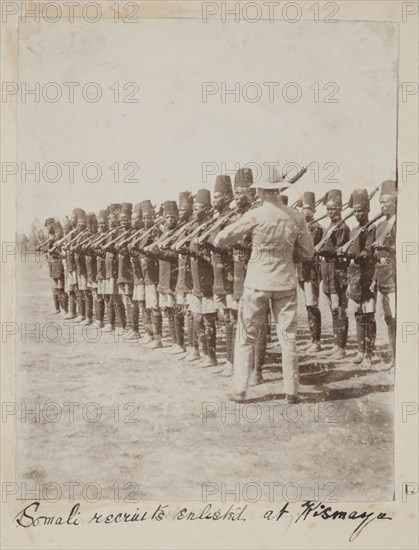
(206, 260)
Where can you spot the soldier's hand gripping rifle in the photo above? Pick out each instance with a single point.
(117, 239)
(64, 239)
(141, 237)
(44, 243)
(100, 238)
(344, 249)
(181, 246)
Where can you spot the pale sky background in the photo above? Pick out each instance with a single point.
(170, 133)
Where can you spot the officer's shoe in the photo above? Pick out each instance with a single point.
(291, 399)
(359, 358)
(238, 397)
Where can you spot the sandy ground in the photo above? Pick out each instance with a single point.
(156, 438)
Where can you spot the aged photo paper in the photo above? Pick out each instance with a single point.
(209, 229)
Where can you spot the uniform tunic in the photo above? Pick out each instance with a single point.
(334, 270)
(362, 264)
(222, 265)
(168, 268)
(125, 274)
(385, 267)
(149, 262)
(310, 271)
(201, 269)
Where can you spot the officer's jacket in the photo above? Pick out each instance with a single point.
(280, 237)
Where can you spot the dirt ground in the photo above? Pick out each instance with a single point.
(165, 428)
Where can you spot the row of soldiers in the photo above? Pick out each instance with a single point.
(139, 263)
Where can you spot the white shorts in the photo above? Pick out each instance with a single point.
(111, 286)
(388, 301)
(183, 298)
(151, 297)
(311, 296)
(166, 300)
(139, 292)
(202, 305)
(224, 301)
(101, 286)
(82, 282)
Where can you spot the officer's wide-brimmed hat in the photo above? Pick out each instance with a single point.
(185, 199)
(243, 177)
(272, 179)
(223, 185)
(359, 197)
(137, 210)
(388, 187)
(49, 221)
(334, 195)
(170, 208)
(147, 207)
(203, 196)
(308, 199)
(126, 209)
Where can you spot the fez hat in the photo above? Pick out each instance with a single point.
(91, 220)
(185, 199)
(359, 197)
(284, 200)
(243, 178)
(170, 207)
(126, 209)
(49, 221)
(203, 196)
(147, 207)
(57, 228)
(271, 179)
(102, 216)
(137, 210)
(334, 195)
(308, 199)
(80, 214)
(114, 209)
(388, 187)
(223, 185)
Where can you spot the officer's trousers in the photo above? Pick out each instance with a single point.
(253, 308)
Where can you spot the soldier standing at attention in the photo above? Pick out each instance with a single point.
(359, 252)
(90, 294)
(81, 269)
(150, 269)
(223, 264)
(334, 271)
(49, 224)
(125, 276)
(279, 237)
(111, 270)
(184, 282)
(71, 301)
(103, 227)
(138, 294)
(71, 271)
(310, 274)
(385, 267)
(168, 268)
(202, 300)
(57, 272)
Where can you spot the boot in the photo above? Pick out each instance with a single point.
(391, 330)
(360, 337)
(210, 359)
(157, 324)
(56, 301)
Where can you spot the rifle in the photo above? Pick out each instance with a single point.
(89, 238)
(344, 249)
(219, 222)
(148, 232)
(329, 233)
(38, 248)
(201, 227)
(63, 239)
(68, 245)
(126, 241)
(117, 238)
(101, 237)
(169, 240)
